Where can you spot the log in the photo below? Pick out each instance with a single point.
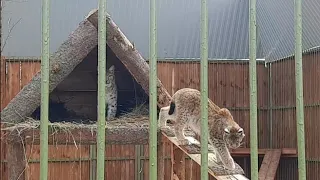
(131, 58)
(16, 160)
(62, 63)
(117, 132)
(114, 135)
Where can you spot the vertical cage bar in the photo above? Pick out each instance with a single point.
(44, 110)
(253, 91)
(153, 93)
(204, 90)
(299, 89)
(270, 106)
(102, 48)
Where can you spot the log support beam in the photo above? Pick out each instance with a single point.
(72, 52)
(16, 159)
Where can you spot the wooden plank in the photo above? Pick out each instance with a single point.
(285, 152)
(28, 70)
(215, 170)
(160, 158)
(274, 164)
(12, 84)
(269, 165)
(265, 165)
(178, 162)
(2, 80)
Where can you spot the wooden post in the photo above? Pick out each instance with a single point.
(161, 155)
(178, 163)
(16, 159)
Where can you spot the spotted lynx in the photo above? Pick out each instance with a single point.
(185, 110)
(111, 93)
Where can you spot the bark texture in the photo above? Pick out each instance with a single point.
(62, 62)
(131, 58)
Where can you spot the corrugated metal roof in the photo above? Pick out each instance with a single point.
(178, 26)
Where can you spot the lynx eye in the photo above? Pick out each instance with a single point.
(226, 130)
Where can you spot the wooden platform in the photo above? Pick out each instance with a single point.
(215, 170)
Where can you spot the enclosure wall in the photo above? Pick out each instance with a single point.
(228, 87)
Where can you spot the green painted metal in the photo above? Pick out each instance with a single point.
(270, 106)
(204, 90)
(253, 91)
(299, 89)
(153, 92)
(102, 48)
(44, 110)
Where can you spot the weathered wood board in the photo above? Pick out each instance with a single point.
(215, 170)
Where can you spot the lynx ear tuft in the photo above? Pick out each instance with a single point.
(111, 68)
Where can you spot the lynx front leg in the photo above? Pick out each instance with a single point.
(163, 117)
(224, 156)
(179, 131)
(162, 121)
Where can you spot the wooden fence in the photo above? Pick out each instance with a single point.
(228, 87)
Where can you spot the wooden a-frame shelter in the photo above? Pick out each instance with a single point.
(71, 53)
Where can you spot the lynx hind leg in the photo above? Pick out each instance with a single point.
(223, 155)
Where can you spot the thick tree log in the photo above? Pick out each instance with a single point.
(117, 132)
(131, 58)
(64, 60)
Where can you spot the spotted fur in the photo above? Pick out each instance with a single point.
(111, 93)
(185, 110)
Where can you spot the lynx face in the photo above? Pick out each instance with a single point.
(233, 137)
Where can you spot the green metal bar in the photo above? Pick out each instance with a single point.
(204, 90)
(270, 107)
(153, 92)
(253, 91)
(44, 110)
(102, 48)
(299, 90)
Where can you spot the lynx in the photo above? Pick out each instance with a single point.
(185, 110)
(111, 93)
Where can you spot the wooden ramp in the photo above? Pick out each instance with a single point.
(270, 164)
(215, 170)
